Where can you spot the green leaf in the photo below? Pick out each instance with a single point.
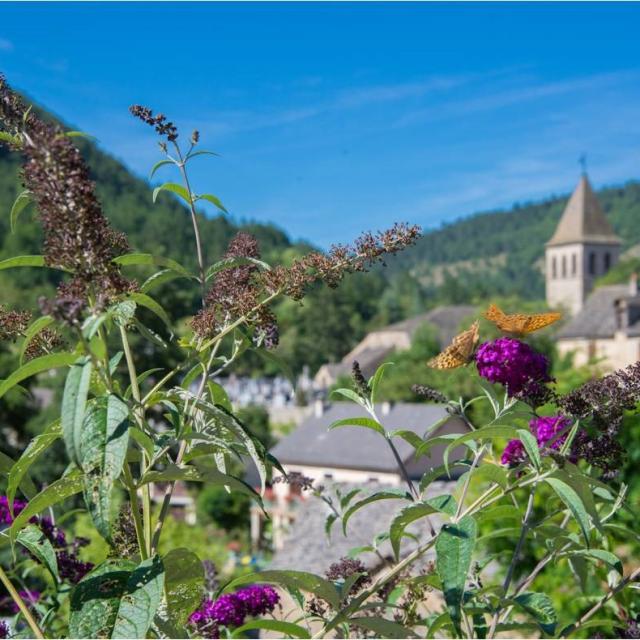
(157, 165)
(96, 598)
(183, 583)
(56, 492)
(358, 422)
(487, 433)
(178, 189)
(34, 541)
(374, 383)
(102, 452)
(454, 550)
(531, 447)
(74, 401)
(151, 260)
(35, 366)
(283, 629)
(191, 474)
(600, 554)
(202, 152)
(21, 202)
(146, 301)
(438, 472)
(383, 628)
(292, 580)
(27, 486)
(79, 134)
(34, 450)
(408, 436)
(540, 607)
(350, 395)
(159, 278)
(492, 473)
(389, 494)
(26, 261)
(411, 513)
(32, 331)
(13, 140)
(572, 500)
(140, 602)
(214, 200)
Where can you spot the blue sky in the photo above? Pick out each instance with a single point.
(334, 118)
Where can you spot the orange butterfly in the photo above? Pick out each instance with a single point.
(460, 351)
(520, 322)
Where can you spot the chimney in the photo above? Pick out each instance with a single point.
(633, 285)
(318, 408)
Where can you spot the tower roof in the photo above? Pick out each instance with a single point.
(583, 219)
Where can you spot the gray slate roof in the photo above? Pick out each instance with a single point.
(307, 548)
(446, 319)
(597, 319)
(361, 448)
(583, 220)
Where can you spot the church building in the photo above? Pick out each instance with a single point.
(604, 325)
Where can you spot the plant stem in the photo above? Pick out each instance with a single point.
(139, 414)
(632, 577)
(135, 511)
(467, 482)
(514, 561)
(15, 596)
(194, 221)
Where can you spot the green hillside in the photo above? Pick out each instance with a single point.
(500, 252)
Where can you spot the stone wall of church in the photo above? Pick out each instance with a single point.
(611, 353)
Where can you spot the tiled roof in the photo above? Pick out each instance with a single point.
(583, 219)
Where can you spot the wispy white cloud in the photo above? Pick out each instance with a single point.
(6, 45)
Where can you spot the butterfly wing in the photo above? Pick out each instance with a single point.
(519, 323)
(459, 352)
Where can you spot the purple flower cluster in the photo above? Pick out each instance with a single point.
(70, 566)
(9, 607)
(514, 364)
(231, 609)
(545, 430)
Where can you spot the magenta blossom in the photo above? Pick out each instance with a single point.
(514, 364)
(545, 430)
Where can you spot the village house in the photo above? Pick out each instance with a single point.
(378, 345)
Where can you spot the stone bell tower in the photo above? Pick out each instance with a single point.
(583, 248)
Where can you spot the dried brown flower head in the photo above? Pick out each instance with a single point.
(13, 323)
(159, 122)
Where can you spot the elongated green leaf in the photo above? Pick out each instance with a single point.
(540, 607)
(214, 200)
(369, 423)
(146, 301)
(389, 494)
(411, 513)
(283, 629)
(79, 134)
(35, 366)
(151, 260)
(178, 189)
(103, 448)
(32, 331)
(295, 580)
(21, 202)
(56, 492)
(34, 541)
(583, 487)
(202, 152)
(492, 473)
(600, 554)
(191, 474)
(183, 583)
(530, 446)
(374, 383)
(96, 599)
(22, 261)
(408, 436)
(454, 550)
(34, 450)
(572, 500)
(74, 402)
(13, 140)
(428, 444)
(350, 395)
(487, 433)
(157, 165)
(27, 486)
(159, 278)
(383, 628)
(139, 604)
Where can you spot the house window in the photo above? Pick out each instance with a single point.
(554, 268)
(574, 264)
(607, 261)
(328, 476)
(564, 266)
(592, 263)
